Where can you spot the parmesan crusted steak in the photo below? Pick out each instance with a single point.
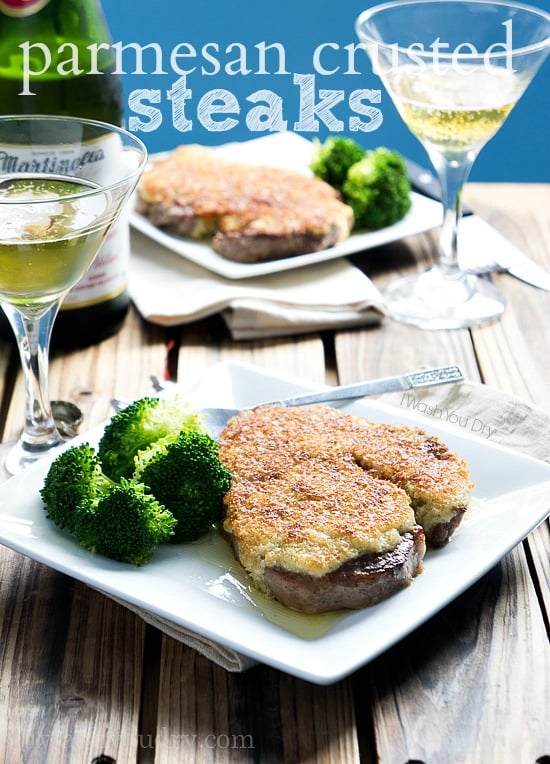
(360, 582)
(327, 510)
(248, 213)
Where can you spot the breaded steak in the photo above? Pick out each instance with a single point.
(436, 481)
(248, 213)
(327, 510)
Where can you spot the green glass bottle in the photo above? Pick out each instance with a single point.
(46, 67)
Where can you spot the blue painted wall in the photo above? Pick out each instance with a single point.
(519, 152)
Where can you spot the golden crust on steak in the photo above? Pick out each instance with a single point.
(264, 441)
(436, 480)
(248, 212)
(314, 517)
(267, 439)
(329, 510)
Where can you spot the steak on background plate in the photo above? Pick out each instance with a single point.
(247, 213)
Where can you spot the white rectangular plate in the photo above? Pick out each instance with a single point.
(290, 151)
(200, 587)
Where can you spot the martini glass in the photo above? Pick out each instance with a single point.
(63, 183)
(454, 70)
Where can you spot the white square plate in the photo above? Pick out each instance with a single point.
(202, 588)
(293, 152)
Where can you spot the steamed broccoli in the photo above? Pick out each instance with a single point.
(378, 189)
(156, 477)
(137, 426)
(374, 183)
(183, 472)
(118, 520)
(74, 477)
(332, 159)
(126, 523)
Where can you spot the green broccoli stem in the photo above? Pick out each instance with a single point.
(453, 174)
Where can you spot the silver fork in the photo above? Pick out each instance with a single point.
(217, 418)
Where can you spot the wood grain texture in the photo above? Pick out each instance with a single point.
(208, 344)
(81, 676)
(254, 716)
(398, 348)
(539, 548)
(514, 352)
(460, 689)
(120, 366)
(248, 717)
(70, 669)
(444, 694)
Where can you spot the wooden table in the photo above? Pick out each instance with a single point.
(81, 676)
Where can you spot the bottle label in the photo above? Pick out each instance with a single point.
(107, 276)
(21, 8)
(97, 161)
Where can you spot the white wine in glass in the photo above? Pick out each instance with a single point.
(63, 183)
(455, 70)
(453, 112)
(44, 247)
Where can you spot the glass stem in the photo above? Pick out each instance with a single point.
(452, 177)
(33, 334)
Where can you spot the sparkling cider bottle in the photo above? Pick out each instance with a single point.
(52, 62)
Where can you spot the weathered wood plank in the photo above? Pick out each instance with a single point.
(249, 717)
(460, 689)
(514, 352)
(77, 655)
(69, 669)
(206, 344)
(118, 367)
(232, 723)
(361, 354)
(451, 692)
(539, 548)
(365, 354)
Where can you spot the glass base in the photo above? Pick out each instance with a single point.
(18, 457)
(434, 300)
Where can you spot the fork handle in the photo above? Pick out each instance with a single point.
(422, 378)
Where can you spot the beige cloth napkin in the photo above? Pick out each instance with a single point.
(478, 409)
(484, 411)
(169, 290)
(223, 656)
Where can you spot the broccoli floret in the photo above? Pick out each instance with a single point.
(174, 490)
(374, 183)
(184, 472)
(118, 520)
(73, 477)
(332, 159)
(137, 426)
(126, 523)
(378, 189)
